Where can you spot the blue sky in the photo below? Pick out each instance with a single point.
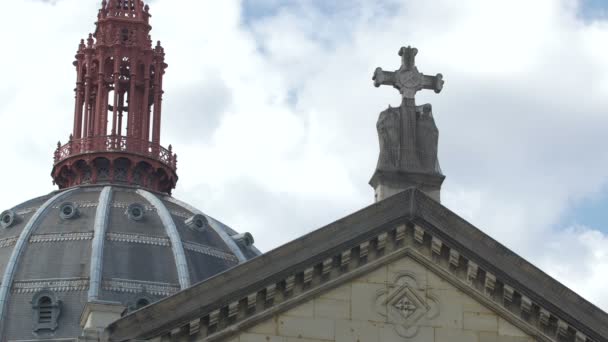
(256, 9)
(594, 9)
(591, 211)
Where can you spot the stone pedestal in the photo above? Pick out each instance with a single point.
(389, 183)
(96, 316)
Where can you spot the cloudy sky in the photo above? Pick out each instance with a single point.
(271, 108)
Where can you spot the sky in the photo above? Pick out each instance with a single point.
(271, 109)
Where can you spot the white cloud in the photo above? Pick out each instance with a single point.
(522, 116)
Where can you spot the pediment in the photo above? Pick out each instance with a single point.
(407, 226)
(403, 300)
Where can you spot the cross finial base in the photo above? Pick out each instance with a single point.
(390, 183)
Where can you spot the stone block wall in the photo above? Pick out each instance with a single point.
(402, 301)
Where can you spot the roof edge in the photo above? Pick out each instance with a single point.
(433, 226)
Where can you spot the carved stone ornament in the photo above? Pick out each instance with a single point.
(408, 134)
(407, 79)
(404, 304)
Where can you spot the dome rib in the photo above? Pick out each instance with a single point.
(99, 236)
(176, 241)
(234, 248)
(11, 267)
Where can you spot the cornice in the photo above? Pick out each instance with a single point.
(138, 286)
(55, 285)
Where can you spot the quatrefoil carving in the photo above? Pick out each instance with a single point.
(404, 304)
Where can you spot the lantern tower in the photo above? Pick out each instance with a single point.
(118, 106)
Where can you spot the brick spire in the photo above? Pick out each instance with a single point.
(117, 116)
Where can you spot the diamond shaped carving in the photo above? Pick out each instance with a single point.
(404, 304)
(405, 307)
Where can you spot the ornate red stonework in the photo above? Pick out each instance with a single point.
(117, 119)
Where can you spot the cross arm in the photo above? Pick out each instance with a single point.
(433, 82)
(382, 77)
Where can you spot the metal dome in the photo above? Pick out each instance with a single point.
(103, 244)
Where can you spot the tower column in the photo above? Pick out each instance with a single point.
(77, 132)
(116, 94)
(131, 130)
(145, 106)
(87, 101)
(78, 108)
(158, 98)
(121, 101)
(99, 112)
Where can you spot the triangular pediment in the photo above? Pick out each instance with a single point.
(408, 226)
(400, 301)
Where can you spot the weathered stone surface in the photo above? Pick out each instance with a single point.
(480, 321)
(353, 331)
(363, 297)
(268, 327)
(312, 328)
(304, 310)
(401, 301)
(260, 338)
(332, 308)
(507, 329)
(340, 293)
(388, 333)
(455, 335)
(494, 337)
(378, 276)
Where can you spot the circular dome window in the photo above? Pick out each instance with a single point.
(7, 218)
(68, 211)
(142, 302)
(244, 239)
(136, 212)
(197, 222)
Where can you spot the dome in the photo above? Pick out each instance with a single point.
(112, 234)
(109, 243)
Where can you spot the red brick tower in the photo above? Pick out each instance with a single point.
(117, 117)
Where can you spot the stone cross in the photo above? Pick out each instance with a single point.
(407, 134)
(408, 80)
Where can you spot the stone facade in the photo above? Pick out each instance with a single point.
(421, 306)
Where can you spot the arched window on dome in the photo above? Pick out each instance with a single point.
(139, 301)
(46, 309)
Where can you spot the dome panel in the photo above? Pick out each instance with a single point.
(223, 231)
(54, 259)
(120, 222)
(207, 236)
(205, 266)
(85, 201)
(5, 254)
(24, 213)
(139, 261)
